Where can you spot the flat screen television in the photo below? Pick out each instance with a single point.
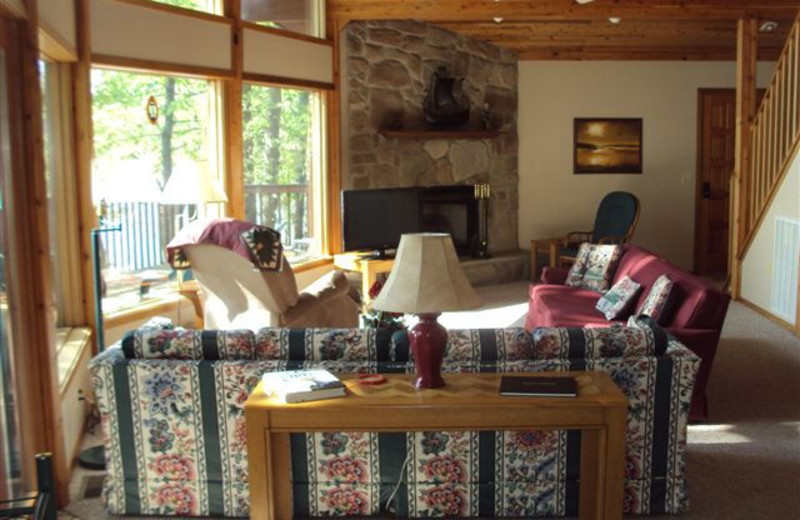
(375, 219)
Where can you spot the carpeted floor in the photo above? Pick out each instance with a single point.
(742, 464)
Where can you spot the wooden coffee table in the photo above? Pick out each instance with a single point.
(468, 402)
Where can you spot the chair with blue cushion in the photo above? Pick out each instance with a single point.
(615, 223)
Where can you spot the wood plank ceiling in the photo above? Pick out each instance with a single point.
(567, 30)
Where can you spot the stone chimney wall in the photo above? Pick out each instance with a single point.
(386, 68)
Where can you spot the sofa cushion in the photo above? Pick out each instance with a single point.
(475, 346)
(597, 342)
(160, 343)
(323, 345)
(600, 267)
(697, 305)
(658, 301)
(618, 299)
(562, 306)
(575, 275)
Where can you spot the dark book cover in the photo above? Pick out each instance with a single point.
(539, 386)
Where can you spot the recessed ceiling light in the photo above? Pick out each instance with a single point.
(768, 26)
(582, 2)
(615, 20)
(498, 19)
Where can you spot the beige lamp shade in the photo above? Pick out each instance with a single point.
(426, 278)
(191, 183)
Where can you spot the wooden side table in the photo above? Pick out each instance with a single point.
(368, 267)
(551, 245)
(468, 402)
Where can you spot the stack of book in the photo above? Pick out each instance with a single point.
(297, 386)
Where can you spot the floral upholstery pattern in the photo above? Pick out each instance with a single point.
(175, 434)
(614, 303)
(575, 275)
(600, 267)
(658, 300)
(598, 342)
(149, 343)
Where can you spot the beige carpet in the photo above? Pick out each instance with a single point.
(742, 464)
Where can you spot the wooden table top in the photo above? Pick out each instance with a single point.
(467, 400)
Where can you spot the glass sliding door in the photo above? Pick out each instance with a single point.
(10, 463)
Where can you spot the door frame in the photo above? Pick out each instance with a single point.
(28, 265)
(701, 93)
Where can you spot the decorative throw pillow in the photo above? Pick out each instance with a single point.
(600, 267)
(614, 303)
(575, 276)
(657, 303)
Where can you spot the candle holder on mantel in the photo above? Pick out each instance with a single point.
(482, 194)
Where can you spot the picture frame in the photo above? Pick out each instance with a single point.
(607, 146)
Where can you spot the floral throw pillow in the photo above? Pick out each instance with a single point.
(575, 276)
(600, 267)
(614, 303)
(658, 301)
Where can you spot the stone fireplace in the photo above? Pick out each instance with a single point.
(386, 66)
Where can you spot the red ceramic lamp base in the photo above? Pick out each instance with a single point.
(428, 340)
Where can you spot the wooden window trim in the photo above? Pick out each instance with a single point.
(309, 265)
(54, 46)
(81, 335)
(144, 310)
(151, 66)
(268, 80)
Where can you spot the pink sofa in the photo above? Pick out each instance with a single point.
(695, 319)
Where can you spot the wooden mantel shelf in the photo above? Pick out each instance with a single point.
(439, 134)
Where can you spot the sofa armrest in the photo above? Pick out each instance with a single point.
(554, 275)
(328, 286)
(322, 292)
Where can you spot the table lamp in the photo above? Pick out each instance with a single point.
(192, 183)
(427, 280)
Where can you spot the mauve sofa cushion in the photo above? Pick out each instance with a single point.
(563, 306)
(695, 305)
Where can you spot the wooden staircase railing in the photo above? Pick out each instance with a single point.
(774, 139)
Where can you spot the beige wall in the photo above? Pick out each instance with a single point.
(554, 201)
(759, 262)
(59, 16)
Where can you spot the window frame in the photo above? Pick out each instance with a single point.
(228, 121)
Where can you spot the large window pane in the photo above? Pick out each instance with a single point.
(282, 166)
(10, 466)
(134, 159)
(300, 16)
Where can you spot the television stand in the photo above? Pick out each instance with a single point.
(367, 265)
(380, 254)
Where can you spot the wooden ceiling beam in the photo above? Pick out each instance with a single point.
(521, 10)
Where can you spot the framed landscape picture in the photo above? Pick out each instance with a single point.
(608, 145)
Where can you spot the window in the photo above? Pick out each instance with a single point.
(61, 208)
(208, 6)
(300, 16)
(283, 166)
(147, 128)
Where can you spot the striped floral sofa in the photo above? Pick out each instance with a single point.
(172, 401)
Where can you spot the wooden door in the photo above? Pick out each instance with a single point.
(715, 160)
